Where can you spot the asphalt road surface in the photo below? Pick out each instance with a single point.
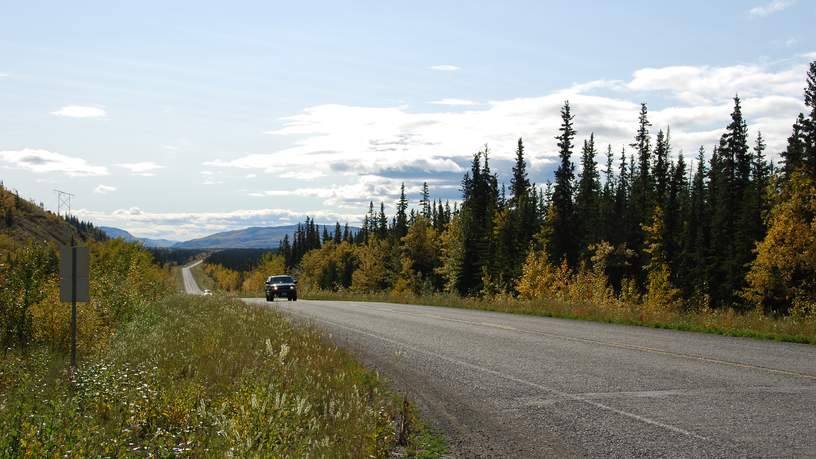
(503, 385)
(190, 285)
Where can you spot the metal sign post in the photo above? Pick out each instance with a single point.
(74, 285)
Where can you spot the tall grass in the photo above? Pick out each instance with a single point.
(720, 321)
(197, 376)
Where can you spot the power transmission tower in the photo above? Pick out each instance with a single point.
(63, 202)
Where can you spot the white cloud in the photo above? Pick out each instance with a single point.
(104, 189)
(771, 7)
(454, 102)
(80, 111)
(703, 84)
(189, 225)
(43, 161)
(791, 41)
(352, 196)
(3, 75)
(144, 168)
(397, 143)
(445, 68)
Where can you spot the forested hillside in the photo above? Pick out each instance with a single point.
(23, 221)
(725, 228)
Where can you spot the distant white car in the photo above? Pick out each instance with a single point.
(207, 292)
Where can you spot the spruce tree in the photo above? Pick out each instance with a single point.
(696, 235)
(519, 183)
(382, 222)
(425, 201)
(519, 222)
(760, 205)
(620, 225)
(642, 194)
(479, 206)
(587, 198)
(676, 210)
(286, 251)
(642, 185)
(661, 168)
(795, 152)
(562, 225)
(401, 223)
(809, 124)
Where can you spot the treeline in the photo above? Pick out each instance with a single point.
(725, 229)
(247, 277)
(165, 256)
(238, 259)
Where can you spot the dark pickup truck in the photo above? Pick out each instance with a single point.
(281, 286)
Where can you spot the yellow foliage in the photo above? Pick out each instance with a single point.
(225, 278)
(452, 247)
(52, 322)
(328, 268)
(420, 246)
(784, 271)
(372, 275)
(540, 280)
(409, 281)
(271, 264)
(123, 279)
(660, 295)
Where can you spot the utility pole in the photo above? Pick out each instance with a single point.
(63, 202)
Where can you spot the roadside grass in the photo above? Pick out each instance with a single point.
(178, 278)
(202, 376)
(728, 322)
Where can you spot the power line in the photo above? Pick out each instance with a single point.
(63, 202)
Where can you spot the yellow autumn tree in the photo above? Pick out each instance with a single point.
(660, 293)
(271, 264)
(782, 277)
(540, 279)
(373, 273)
(452, 248)
(330, 267)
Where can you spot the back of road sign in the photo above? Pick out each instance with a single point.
(78, 268)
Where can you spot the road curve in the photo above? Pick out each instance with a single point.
(190, 285)
(504, 385)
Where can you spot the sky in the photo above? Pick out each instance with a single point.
(180, 119)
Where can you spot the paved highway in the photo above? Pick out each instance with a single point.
(503, 385)
(190, 285)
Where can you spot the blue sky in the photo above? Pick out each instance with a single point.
(175, 119)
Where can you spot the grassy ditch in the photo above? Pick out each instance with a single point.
(204, 281)
(198, 376)
(726, 322)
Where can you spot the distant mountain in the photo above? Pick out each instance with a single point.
(118, 233)
(267, 237)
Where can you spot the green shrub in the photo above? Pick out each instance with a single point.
(198, 377)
